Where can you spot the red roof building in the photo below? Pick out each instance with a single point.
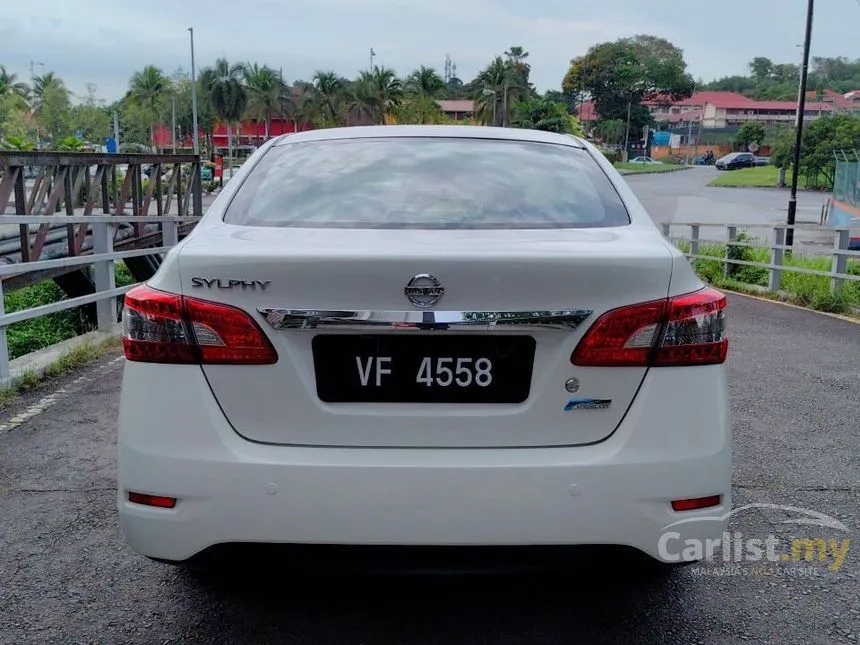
(729, 110)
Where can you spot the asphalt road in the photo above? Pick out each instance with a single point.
(67, 576)
(684, 196)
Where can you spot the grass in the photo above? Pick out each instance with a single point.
(758, 177)
(37, 333)
(798, 288)
(81, 355)
(642, 168)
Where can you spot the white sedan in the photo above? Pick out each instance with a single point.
(442, 336)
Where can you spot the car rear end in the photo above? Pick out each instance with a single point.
(415, 337)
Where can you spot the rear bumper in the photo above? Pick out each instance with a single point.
(174, 440)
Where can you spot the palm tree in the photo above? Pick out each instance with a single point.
(147, 89)
(324, 99)
(424, 81)
(516, 57)
(498, 89)
(382, 92)
(44, 83)
(223, 84)
(11, 87)
(267, 95)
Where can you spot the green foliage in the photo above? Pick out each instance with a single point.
(71, 143)
(611, 130)
(37, 333)
(547, 115)
(627, 71)
(54, 112)
(750, 132)
(802, 289)
(822, 138)
(612, 155)
(44, 331)
(91, 118)
(770, 81)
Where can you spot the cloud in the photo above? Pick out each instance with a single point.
(105, 42)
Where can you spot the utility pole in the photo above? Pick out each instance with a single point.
(116, 130)
(372, 54)
(33, 64)
(173, 123)
(194, 96)
(627, 133)
(801, 107)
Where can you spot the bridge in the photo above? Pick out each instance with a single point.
(794, 377)
(49, 229)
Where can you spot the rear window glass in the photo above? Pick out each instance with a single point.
(426, 183)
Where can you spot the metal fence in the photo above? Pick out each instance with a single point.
(846, 180)
(102, 260)
(839, 254)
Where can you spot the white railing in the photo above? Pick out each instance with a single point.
(102, 259)
(839, 254)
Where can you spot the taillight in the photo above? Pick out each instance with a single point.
(161, 327)
(684, 330)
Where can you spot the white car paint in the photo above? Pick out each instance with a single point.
(252, 454)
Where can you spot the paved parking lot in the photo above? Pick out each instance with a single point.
(67, 576)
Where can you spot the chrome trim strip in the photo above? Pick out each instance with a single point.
(565, 320)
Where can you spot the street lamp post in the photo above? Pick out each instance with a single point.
(801, 108)
(33, 64)
(194, 96)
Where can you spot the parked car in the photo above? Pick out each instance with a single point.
(854, 236)
(762, 161)
(736, 160)
(418, 336)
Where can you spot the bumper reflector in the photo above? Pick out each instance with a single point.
(152, 500)
(696, 503)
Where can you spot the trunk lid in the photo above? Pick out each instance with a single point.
(562, 272)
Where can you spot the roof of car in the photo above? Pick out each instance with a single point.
(447, 131)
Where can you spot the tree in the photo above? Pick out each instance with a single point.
(147, 90)
(43, 83)
(54, 113)
(227, 95)
(620, 75)
(761, 68)
(11, 86)
(545, 114)
(821, 139)
(611, 131)
(267, 96)
(750, 132)
(497, 90)
(323, 100)
(421, 110)
(90, 117)
(424, 81)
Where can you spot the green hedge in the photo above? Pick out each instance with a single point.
(803, 289)
(44, 331)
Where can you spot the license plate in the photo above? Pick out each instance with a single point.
(394, 368)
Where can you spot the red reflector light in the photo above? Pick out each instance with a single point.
(161, 327)
(696, 503)
(152, 500)
(683, 330)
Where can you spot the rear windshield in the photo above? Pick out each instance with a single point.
(426, 183)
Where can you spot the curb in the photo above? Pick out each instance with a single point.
(856, 321)
(37, 363)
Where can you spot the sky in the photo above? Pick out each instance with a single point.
(105, 41)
